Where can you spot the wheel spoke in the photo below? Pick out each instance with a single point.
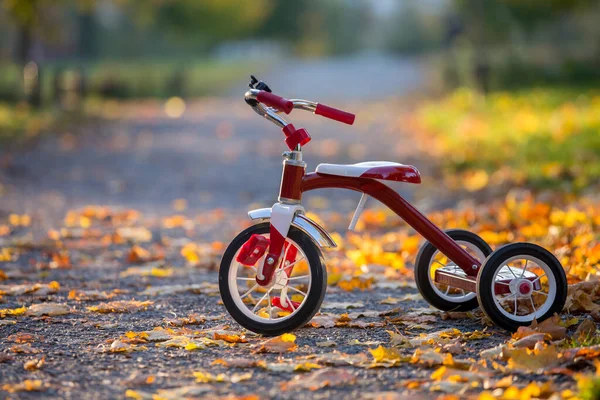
(524, 269)
(294, 263)
(511, 271)
(249, 291)
(285, 299)
(540, 292)
(443, 265)
(447, 290)
(245, 279)
(532, 304)
(297, 290)
(261, 299)
(538, 278)
(502, 283)
(515, 313)
(298, 277)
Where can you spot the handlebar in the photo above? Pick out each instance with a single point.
(272, 100)
(286, 106)
(269, 105)
(335, 114)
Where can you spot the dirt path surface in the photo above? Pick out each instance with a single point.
(164, 254)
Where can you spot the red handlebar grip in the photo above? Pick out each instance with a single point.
(335, 114)
(272, 100)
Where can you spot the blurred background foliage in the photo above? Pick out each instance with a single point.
(519, 75)
(487, 44)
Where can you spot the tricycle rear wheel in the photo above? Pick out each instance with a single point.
(520, 283)
(429, 259)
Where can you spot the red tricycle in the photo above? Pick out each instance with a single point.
(273, 278)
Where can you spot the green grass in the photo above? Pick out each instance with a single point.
(542, 137)
(19, 122)
(581, 341)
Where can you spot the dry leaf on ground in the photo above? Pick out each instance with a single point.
(121, 306)
(48, 309)
(552, 326)
(321, 378)
(279, 344)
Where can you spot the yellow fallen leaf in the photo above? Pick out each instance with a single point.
(386, 356)
(306, 366)
(26, 386)
(12, 312)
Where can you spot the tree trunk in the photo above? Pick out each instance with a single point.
(23, 45)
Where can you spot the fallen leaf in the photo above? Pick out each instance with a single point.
(121, 306)
(26, 386)
(119, 346)
(586, 329)
(279, 344)
(325, 377)
(342, 305)
(550, 326)
(35, 364)
(157, 270)
(12, 312)
(531, 340)
(85, 295)
(398, 340)
(535, 360)
(49, 309)
(207, 377)
(387, 357)
(306, 367)
(38, 289)
(135, 234)
(230, 337)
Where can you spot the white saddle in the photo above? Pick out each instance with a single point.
(385, 170)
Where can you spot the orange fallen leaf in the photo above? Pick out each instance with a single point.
(35, 364)
(279, 344)
(551, 326)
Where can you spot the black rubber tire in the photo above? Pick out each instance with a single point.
(496, 260)
(422, 265)
(316, 294)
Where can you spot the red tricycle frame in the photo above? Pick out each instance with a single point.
(294, 182)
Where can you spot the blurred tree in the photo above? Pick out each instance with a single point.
(211, 20)
(412, 30)
(487, 25)
(24, 13)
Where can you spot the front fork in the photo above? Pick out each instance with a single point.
(282, 214)
(281, 220)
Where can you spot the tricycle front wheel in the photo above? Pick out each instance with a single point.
(294, 295)
(519, 283)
